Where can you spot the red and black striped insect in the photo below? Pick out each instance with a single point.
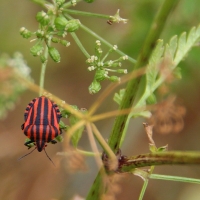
(42, 117)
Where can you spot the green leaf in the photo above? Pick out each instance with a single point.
(152, 69)
(59, 138)
(148, 81)
(163, 148)
(177, 49)
(174, 52)
(62, 125)
(118, 96)
(152, 148)
(78, 133)
(185, 43)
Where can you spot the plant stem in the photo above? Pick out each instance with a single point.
(43, 70)
(68, 4)
(174, 178)
(144, 187)
(132, 86)
(78, 42)
(101, 39)
(77, 12)
(161, 158)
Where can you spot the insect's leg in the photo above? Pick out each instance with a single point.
(53, 141)
(22, 126)
(28, 144)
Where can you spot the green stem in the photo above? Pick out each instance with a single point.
(41, 2)
(68, 4)
(87, 153)
(174, 178)
(78, 42)
(144, 187)
(89, 14)
(163, 158)
(43, 70)
(132, 87)
(101, 39)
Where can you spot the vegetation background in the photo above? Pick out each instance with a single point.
(34, 177)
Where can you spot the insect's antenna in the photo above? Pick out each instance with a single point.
(26, 154)
(49, 157)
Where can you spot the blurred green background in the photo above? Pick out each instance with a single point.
(34, 177)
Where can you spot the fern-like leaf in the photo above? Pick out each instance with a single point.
(175, 51)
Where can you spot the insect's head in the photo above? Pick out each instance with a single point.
(40, 145)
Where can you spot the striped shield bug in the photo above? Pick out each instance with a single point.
(41, 124)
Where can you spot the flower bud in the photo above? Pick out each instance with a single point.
(114, 79)
(25, 33)
(117, 64)
(37, 49)
(94, 87)
(177, 73)
(151, 99)
(89, 1)
(43, 59)
(100, 75)
(122, 71)
(40, 33)
(72, 25)
(55, 40)
(60, 2)
(54, 54)
(65, 43)
(60, 23)
(42, 18)
(73, 2)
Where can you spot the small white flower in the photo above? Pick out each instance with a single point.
(68, 44)
(73, 2)
(46, 17)
(88, 60)
(64, 34)
(22, 29)
(91, 68)
(125, 57)
(110, 62)
(43, 13)
(115, 47)
(92, 58)
(53, 27)
(125, 71)
(98, 43)
(100, 64)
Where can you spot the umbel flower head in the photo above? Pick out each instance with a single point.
(10, 87)
(102, 67)
(167, 116)
(52, 27)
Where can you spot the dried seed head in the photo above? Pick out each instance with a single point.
(168, 116)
